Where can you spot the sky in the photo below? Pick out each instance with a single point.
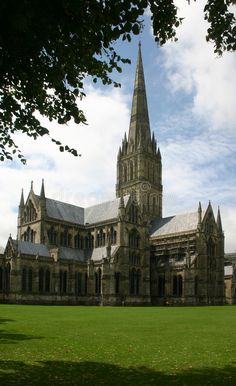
(192, 111)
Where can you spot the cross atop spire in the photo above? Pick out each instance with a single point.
(139, 129)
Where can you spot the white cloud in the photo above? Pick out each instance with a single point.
(193, 67)
(200, 140)
(80, 180)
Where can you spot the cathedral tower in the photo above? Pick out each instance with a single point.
(139, 168)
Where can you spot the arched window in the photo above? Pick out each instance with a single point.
(133, 214)
(134, 239)
(101, 238)
(153, 203)
(7, 277)
(117, 283)
(30, 280)
(96, 282)
(24, 280)
(27, 280)
(175, 285)
(99, 280)
(132, 276)
(78, 241)
(161, 286)
(85, 283)
(210, 248)
(52, 236)
(41, 280)
(131, 171)
(47, 280)
(89, 241)
(112, 236)
(79, 283)
(196, 285)
(65, 282)
(125, 173)
(138, 277)
(180, 285)
(1, 279)
(61, 281)
(134, 281)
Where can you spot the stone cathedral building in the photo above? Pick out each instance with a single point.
(120, 252)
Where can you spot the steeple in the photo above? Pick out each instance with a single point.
(139, 129)
(139, 169)
(218, 221)
(22, 201)
(42, 193)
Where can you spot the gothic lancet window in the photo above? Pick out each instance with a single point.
(112, 236)
(23, 280)
(78, 283)
(7, 277)
(131, 171)
(98, 281)
(44, 280)
(125, 173)
(133, 214)
(134, 239)
(161, 286)
(78, 241)
(196, 285)
(41, 280)
(177, 288)
(47, 280)
(134, 281)
(85, 283)
(30, 213)
(89, 241)
(1, 279)
(117, 283)
(52, 235)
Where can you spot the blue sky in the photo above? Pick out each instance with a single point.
(192, 109)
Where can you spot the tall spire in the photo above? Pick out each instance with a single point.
(22, 201)
(218, 221)
(42, 193)
(139, 129)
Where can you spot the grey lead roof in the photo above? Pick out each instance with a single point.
(71, 254)
(175, 224)
(63, 211)
(81, 216)
(27, 248)
(104, 211)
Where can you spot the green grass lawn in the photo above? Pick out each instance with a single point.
(59, 345)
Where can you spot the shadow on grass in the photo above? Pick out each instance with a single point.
(12, 337)
(2, 320)
(61, 373)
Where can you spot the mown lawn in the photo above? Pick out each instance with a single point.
(104, 346)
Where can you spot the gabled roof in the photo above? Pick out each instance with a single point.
(77, 215)
(65, 212)
(27, 248)
(175, 224)
(104, 211)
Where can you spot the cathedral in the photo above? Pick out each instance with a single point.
(119, 252)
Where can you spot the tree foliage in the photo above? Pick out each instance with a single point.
(47, 48)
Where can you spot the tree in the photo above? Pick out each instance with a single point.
(49, 47)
